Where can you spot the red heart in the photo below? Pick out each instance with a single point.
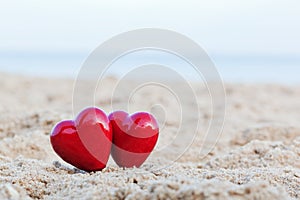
(85, 142)
(134, 137)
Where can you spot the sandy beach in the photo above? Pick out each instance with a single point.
(257, 156)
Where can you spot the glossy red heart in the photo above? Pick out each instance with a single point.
(134, 137)
(85, 142)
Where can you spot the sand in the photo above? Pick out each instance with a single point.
(257, 156)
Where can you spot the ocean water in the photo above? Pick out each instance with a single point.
(232, 68)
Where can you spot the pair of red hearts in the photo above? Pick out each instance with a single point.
(87, 141)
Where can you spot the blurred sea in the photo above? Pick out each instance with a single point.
(283, 69)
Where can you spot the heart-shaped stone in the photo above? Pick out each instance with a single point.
(134, 137)
(85, 142)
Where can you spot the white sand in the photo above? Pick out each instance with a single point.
(257, 157)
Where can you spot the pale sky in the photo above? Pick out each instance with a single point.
(219, 26)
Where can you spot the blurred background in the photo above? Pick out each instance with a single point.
(249, 41)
